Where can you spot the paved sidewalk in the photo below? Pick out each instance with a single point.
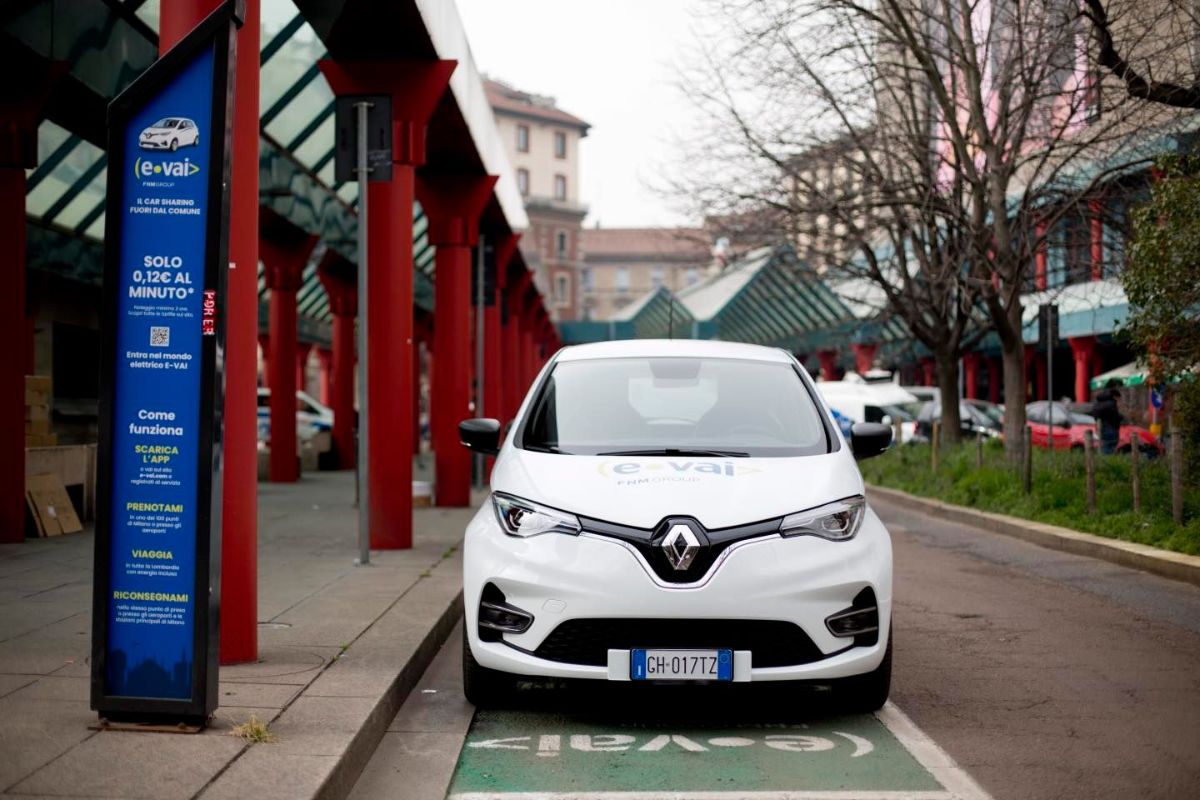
(339, 648)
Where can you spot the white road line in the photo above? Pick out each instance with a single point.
(835, 795)
(930, 756)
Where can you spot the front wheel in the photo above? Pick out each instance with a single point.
(863, 694)
(483, 687)
(174, 145)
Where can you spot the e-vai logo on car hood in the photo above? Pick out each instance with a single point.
(146, 170)
(673, 469)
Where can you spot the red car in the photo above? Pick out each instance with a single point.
(1069, 427)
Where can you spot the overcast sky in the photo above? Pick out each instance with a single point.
(609, 62)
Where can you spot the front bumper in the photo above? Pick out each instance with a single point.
(151, 144)
(555, 577)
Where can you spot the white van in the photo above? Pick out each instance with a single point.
(873, 402)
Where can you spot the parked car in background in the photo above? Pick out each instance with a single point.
(873, 402)
(1068, 428)
(926, 394)
(312, 416)
(973, 419)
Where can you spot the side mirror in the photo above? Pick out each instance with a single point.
(869, 439)
(481, 435)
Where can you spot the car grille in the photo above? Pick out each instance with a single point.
(587, 641)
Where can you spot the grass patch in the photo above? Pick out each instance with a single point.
(1059, 494)
(253, 730)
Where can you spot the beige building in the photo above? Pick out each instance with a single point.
(543, 147)
(621, 265)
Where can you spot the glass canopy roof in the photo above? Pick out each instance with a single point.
(66, 191)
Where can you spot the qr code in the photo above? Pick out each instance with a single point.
(160, 337)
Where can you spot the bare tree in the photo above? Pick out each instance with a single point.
(973, 127)
(1166, 37)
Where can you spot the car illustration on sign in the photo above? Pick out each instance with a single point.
(671, 511)
(170, 133)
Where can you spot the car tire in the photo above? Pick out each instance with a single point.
(482, 686)
(863, 694)
(174, 145)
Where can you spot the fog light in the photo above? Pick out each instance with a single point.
(497, 617)
(854, 622)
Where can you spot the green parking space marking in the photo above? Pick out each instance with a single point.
(548, 755)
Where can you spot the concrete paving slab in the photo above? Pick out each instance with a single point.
(423, 763)
(263, 771)
(256, 695)
(11, 683)
(134, 765)
(56, 688)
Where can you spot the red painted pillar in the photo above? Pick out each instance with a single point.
(1035, 362)
(303, 349)
(453, 204)
(325, 374)
(239, 513)
(1083, 350)
(510, 346)
(421, 341)
(971, 375)
(864, 357)
(415, 88)
(828, 360)
(1096, 229)
(995, 379)
(928, 371)
(1041, 277)
(343, 303)
(283, 262)
(496, 368)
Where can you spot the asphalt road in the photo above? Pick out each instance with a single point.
(1042, 675)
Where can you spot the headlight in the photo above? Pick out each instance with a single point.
(524, 518)
(836, 521)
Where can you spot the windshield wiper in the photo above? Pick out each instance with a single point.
(544, 448)
(678, 451)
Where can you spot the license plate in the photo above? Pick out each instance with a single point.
(681, 665)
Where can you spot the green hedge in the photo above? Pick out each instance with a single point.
(1059, 491)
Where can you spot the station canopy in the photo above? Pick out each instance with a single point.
(105, 45)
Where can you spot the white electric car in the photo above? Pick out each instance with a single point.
(672, 511)
(170, 133)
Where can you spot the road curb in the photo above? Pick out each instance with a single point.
(1165, 563)
(340, 781)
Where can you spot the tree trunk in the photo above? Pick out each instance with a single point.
(947, 377)
(1014, 397)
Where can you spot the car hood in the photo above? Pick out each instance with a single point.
(158, 130)
(641, 491)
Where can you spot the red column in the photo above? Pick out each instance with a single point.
(325, 373)
(928, 371)
(1041, 275)
(829, 364)
(971, 374)
(1096, 223)
(283, 263)
(995, 379)
(864, 357)
(12, 393)
(422, 335)
(1035, 362)
(453, 204)
(527, 321)
(303, 349)
(510, 346)
(415, 88)
(343, 303)
(495, 367)
(239, 513)
(1083, 350)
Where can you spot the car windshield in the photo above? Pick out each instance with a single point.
(166, 122)
(713, 406)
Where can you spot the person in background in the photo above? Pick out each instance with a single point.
(1106, 409)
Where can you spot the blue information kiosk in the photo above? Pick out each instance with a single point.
(155, 608)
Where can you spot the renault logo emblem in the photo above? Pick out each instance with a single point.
(680, 545)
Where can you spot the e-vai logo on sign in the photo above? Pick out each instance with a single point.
(146, 170)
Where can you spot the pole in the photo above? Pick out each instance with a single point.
(1027, 466)
(480, 268)
(1050, 378)
(364, 505)
(1176, 472)
(1089, 463)
(1134, 477)
(934, 444)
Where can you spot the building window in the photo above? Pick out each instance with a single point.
(522, 138)
(560, 187)
(585, 279)
(657, 277)
(693, 276)
(622, 280)
(560, 244)
(523, 182)
(560, 144)
(562, 288)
